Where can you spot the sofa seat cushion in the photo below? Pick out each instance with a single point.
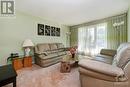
(61, 49)
(104, 58)
(52, 55)
(51, 51)
(61, 53)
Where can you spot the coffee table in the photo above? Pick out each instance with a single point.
(67, 63)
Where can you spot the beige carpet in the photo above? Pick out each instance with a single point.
(47, 77)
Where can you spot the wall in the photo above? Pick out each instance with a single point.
(13, 31)
(129, 24)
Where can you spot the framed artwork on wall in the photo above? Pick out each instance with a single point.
(47, 30)
(53, 31)
(58, 32)
(40, 29)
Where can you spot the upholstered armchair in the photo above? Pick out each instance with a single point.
(98, 73)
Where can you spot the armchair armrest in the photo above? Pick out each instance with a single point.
(101, 67)
(108, 52)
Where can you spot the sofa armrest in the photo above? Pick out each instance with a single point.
(108, 52)
(101, 67)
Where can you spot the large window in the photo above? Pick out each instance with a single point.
(92, 39)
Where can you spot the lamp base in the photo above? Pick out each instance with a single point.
(27, 51)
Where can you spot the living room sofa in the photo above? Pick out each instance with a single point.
(47, 54)
(109, 69)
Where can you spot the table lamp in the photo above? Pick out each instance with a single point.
(27, 44)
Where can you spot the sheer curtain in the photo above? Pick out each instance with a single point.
(91, 39)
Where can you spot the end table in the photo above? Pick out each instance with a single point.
(27, 61)
(21, 62)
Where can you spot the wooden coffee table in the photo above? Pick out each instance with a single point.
(67, 63)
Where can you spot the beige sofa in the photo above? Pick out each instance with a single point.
(47, 54)
(107, 70)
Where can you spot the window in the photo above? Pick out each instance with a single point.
(91, 39)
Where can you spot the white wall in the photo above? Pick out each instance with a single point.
(13, 31)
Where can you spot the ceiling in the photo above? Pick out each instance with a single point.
(72, 12)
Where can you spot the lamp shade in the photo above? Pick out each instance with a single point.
(28, 43)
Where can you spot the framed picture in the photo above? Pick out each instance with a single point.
(53, 31)
(40, 29)
(57, 31)
(47, 30)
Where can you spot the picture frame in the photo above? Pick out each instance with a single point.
(58, 32)
(40, 29)
(47, 30)
(53, 31)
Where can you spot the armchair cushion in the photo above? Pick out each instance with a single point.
(101, 67)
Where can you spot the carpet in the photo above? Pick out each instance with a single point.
(47, 77)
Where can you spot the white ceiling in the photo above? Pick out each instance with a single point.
(72, 12)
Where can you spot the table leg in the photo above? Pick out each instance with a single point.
(14, 83)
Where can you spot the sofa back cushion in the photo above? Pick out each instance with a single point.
(53, 46)
(43, 47)
(60, 45)
(122, 57)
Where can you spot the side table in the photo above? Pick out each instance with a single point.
(17, 63)
(65, 67)
(22, 62)
(27, 61)
(67, 63)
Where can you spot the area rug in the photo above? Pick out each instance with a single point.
(47, 77)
